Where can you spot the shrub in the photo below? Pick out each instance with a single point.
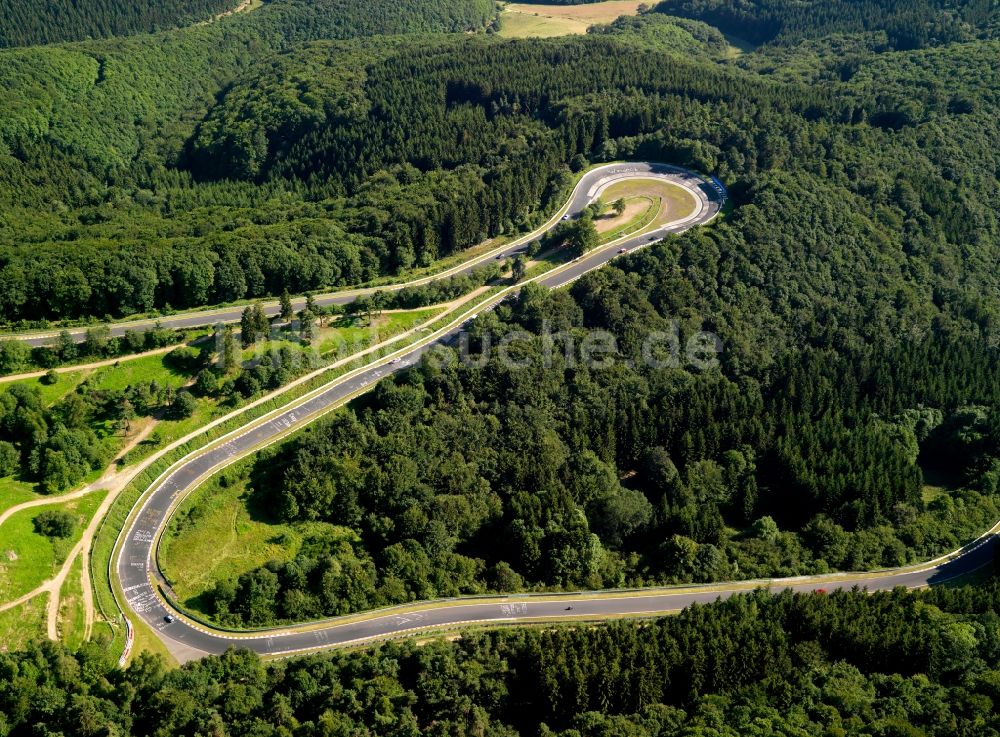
(207, 383)
(183, 406)
(55, 523)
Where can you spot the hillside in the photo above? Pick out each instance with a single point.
(787, 365)
(322, 153)
(29, 22)
(901, 24)
(848, 664)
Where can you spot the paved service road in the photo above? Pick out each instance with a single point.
(135, 560)
(582, 195)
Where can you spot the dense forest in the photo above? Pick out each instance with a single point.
(28, 22)
(913, 664)
(906, 24)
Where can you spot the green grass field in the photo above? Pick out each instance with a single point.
(937, 484)
(738, 46)
(143, 370)
(27, 559)
(14, 492)
(52, 393)
(168, 430)
(22, 624)
(679, 202)
(349, 335)
(147, 641)
(523, 20)
(128, 371)
(220, 533)
(643, 211)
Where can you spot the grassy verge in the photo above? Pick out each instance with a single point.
(217, 533)
(349, 335)
(72, 618)
(180, 337)
(27, 558)
(147, 641)
(51, 393)
(138, 371)
(22, 624)
(440, 634)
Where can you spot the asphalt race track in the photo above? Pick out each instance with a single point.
(144, 590)
(189, 640)
(582, 195)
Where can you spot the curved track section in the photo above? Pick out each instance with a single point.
(584, 192)
(142, 586)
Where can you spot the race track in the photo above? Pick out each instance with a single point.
(582, 195)
(145, 593)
